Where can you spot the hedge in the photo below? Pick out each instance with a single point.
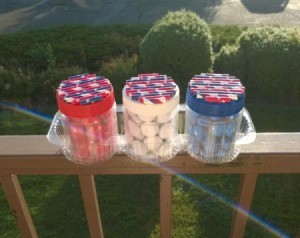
(71, 45)
(267, 61)
(32, 63)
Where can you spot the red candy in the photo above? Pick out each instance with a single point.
(87, 104)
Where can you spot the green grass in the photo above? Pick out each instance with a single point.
(129, 204)
(276, 200)
(15, 123)
(274, 118)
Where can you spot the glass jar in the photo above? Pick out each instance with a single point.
(214, 111)
(88, 118)
(150, 107)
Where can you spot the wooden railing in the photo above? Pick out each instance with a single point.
(30, 155)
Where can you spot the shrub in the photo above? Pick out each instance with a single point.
(117, 70)
(15, 85)
(42, 57)
(266, 59)
(71, 45)
(222, 35)
(179, 45)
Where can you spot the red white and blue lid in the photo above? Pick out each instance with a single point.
(85, 95)
(151, 88)
(151, 91)
(215, 94)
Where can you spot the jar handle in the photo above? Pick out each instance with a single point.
(56, 133)
(247, 133)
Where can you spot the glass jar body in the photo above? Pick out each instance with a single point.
(151, 138)
(211, 139)
(92, 139)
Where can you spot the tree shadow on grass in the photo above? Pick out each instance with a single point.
(150, 12)
(265, 6)
(11, 5)
(45, 14)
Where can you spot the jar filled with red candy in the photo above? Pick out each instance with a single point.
(88, 118)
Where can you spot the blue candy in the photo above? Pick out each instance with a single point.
(231, 127)
(218, 130)
(189, 129)
(199, 132)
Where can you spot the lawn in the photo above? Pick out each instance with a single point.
(129, 204)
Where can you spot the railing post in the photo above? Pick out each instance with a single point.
(14, 195)
(165, 205)
(245, 195)
(90, 201)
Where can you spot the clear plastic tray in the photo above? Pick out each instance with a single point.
(165, 151)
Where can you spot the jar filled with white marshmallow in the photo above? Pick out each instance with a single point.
(151, 103)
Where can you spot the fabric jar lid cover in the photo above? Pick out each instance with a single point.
(85, 95)
(150, 94)
(215, 94)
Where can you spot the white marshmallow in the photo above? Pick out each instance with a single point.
(167, 131)
(164, 150)
(135, 118)
(139, 148)
(149, 129)
(153, 142)
(146, 118)
(134, 129)
(164, 118)
(140, 137)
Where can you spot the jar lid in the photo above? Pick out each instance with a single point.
(85, 95)
(150, 94)
(215, 94)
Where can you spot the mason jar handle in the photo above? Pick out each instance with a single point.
(56, 133)
(247, 133)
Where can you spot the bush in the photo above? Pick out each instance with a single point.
(222, 35)
(42, 57)
(178, 45)
(15, 85)
(71, 45)
(266, 59)
(117, 70)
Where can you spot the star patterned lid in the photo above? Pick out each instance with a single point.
(215, 94)
(151, 88)
(84, 95)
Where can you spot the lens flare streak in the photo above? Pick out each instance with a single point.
(26, 111)
(222, 199)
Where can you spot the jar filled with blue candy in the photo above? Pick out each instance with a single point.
(215, 108)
